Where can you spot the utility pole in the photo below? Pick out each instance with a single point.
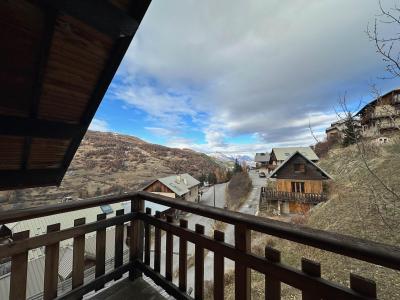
(214, 194)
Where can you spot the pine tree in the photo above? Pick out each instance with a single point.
(237, 168)
(351, 133)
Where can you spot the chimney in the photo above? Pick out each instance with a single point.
(178, 178)
(185, 181)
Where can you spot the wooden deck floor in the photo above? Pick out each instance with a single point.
(126, 289)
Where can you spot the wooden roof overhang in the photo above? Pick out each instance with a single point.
(57, 60)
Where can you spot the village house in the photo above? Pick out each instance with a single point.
(279, 155)
(261, 160)
(298, 185)
(182, 186)
(381, 116)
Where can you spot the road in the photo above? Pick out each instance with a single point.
(250, 206)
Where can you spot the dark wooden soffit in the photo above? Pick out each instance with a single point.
(58, 59)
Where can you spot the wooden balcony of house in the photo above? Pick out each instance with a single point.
(273, 195)
(145, 258)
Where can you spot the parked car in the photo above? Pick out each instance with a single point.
(261, 174)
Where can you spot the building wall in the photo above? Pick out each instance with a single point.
(157, 187)
(310, 186)
(192, 196)
(299, 208)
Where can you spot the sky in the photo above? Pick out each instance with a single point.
(240, 77)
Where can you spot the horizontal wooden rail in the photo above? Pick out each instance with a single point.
(278, 271)
(373, 252)
(47, 210)
(99, 282)
(50, 238)
(160, 280)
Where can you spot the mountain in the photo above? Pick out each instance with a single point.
(221, 156)
(224, 158)
(109, 163)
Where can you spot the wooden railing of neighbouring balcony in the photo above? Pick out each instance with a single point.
(307, 279)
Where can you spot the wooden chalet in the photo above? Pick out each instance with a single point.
(180, 186)
(298, 186)
(58, 58)
(381, 116)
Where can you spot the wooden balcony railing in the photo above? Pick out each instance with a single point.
(273, 195)
(307, 279)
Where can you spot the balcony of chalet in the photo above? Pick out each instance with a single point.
(59, 59)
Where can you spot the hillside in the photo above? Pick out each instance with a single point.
(111, 163)
(363, 203)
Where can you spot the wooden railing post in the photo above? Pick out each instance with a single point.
(183, 258)
(363, 286)
(147, 239)
(100, 250)
(136, 238)
(19, 269)
(52, 253)
(157, 245)
(119, 243)
(199, 266)
(78, 262)
(272, 286)
(311, 268)
(242, 273)
(219, 236)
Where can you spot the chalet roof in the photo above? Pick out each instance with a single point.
(275, 172)
(284, 153)
(58, 59)
(35, 272)
(180, 184)
(38, 226)
(373, 102)
(261, 157)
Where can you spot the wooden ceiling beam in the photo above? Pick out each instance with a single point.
(102, 15)
(50, 16)
(30, 127)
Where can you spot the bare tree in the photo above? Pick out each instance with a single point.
(385, 34)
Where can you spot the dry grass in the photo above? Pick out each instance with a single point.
(237, 190)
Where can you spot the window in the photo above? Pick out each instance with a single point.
(297, 187)
(106, 209)
(299, 168)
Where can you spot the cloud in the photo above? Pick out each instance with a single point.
(99, 125)
(258, 68)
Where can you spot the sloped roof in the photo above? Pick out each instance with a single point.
(373, 102)
(180, 184)
(38, 226)
(284, 153)
(58, 59)
(35, 273)
(261, 157)
(275, 172)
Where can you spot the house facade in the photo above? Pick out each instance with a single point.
(381, 116)
(298, 185)
(182, 186)
(261, 159)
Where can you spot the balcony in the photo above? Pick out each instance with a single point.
(147, 272)
(273, 195)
